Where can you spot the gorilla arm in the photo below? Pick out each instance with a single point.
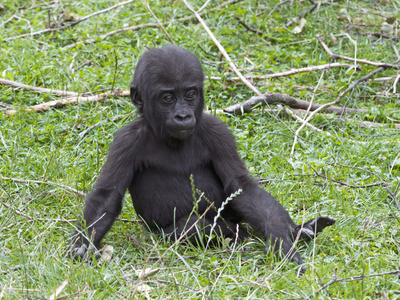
(104, 202)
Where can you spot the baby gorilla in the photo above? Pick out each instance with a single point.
(173, 149)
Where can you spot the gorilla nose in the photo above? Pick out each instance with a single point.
(183, 119)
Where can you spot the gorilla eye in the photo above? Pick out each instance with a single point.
(191, 95)
(168, 98)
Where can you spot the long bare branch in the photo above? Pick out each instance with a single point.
(82, 194)
(15, 84)
(72, 100)
(273, 98)
(356, 60)
(290, 72)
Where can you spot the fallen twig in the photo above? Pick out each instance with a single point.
(158, 21)
(289, 73)
(296, 134)
(271, 98)
(36, 89)
(69, 24)
(63, 102)
(79, 193)
(357, 60)
(360, 277)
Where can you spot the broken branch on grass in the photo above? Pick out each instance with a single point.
(361, 186)
(15, 84)
(69, 24)
(356, 60)
(79, 193)
(273, 98)
(63, 102)
(251, 29)
(360, 277)
(296, 134)
(291, 72)
(158, 21)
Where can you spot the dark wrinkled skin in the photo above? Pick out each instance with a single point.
(155, 156)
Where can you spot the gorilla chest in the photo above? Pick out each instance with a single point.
(163, 190)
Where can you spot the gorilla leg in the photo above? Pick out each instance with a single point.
(194, 228)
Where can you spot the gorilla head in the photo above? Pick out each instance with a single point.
(167, 88)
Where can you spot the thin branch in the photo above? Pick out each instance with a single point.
(158, 21)
(271, 98)
(79, 193)
(69, 24)
(360, 277)
(361, 61)
(291, 72)
(15, 84)
(296, 134)
(63, 102)
(222, 50)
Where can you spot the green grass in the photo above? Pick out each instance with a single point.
(47, 146)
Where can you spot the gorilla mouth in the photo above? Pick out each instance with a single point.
(181, 133)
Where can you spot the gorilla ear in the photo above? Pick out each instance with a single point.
(135, 96)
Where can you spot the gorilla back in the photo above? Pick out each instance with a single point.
(173, 149)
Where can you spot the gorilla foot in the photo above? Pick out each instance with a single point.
(310, 229)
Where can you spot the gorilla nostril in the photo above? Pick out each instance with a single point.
(183, 118)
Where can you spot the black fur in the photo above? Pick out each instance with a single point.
(172, 141)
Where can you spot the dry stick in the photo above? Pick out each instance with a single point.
(271, 98)
(148, 25)
(222, 50)
(395, 50)
(158, 21)
(296, 134)
(346, 184)
(291, 72)
(79, 193)
(63, 102)
(60, 103)
(383, 183)
(233, 66)
(70, 24)
(37, 89)
(360, 277)
(362, 61)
